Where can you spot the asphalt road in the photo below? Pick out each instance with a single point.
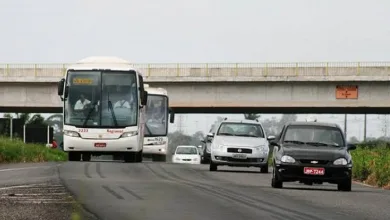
(115, 190)
(34, 191)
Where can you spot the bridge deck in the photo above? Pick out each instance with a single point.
(337, 71)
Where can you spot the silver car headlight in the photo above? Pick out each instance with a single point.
(262, 148)
(340, 161)
(287, 159)
(217, 147)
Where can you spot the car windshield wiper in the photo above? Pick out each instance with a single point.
(89, 113)
(294, 142)
(247, 135)
(322, 144)
(227, 134)
(111, 109)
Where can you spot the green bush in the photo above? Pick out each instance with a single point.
(372, 164)
(17, 151)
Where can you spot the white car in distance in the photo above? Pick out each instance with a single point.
(186, 154)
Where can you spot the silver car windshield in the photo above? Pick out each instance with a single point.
(240, 129)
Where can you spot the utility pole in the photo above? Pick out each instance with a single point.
(345, 126)
(385, 126)
(180, 124)
(365, 128)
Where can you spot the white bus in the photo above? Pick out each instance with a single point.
(156, 126)
(104, 109)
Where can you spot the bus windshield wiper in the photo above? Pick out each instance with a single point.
(111, 109)
(89, 114)
(148, 129)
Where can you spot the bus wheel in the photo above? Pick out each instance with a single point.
(86, 157)
(130, 157)
(159, 158)
(74, 156)
(138, 157)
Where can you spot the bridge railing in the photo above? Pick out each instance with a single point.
(218, 69)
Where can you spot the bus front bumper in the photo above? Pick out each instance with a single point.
(127, 144)
(155, 149)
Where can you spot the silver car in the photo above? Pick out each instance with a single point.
(240, 143)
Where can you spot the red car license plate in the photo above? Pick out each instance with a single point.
(314, 171)
(100, 144)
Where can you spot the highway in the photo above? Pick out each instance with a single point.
(116, 190)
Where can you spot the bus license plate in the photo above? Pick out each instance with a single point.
(239, 156)
(100, 144)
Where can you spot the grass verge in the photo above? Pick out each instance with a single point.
(13, 151)
(372, 165)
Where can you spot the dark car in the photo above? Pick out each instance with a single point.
(312, 152)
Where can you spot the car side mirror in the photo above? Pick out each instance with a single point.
(66, 93)
(203, 141)
(211, 135)
(351, 147)
(271, 138)
(274, 144)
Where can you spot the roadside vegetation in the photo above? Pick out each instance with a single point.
(14, 151)
(372, 163)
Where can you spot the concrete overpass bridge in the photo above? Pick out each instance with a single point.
(334, 87)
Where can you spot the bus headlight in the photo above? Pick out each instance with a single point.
(129, 134)
(71, 133)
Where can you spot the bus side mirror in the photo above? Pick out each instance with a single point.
(172, 116)
(60, 89)
(66, 92)
(144, 98)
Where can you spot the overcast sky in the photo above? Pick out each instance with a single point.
(48, 31)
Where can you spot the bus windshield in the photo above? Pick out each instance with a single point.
(156, 116)
(101, 99)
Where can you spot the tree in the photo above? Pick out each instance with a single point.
(177, 138)
(197, 136)
(24, 116)
(37, 119)
(354, 139)
(252, 116)
(8, 115)
(270, 126)
(216, 123)
(273, 126)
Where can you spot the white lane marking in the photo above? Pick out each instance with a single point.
(32, 199)
(34, 186)
(33, 194)
(364, 184)
(23, 168)
(20, 186)
(43, 202)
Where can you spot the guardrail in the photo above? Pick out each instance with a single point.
(218, 69)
